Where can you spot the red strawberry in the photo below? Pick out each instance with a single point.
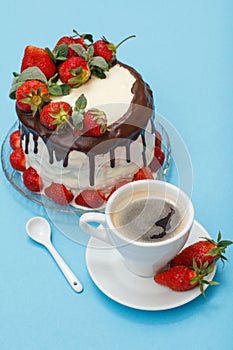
(31, 95)
(35, 56)
(106, 49)
(32, 180)
(143, 174)
(73, 40)
(159, 154)
(183, 278)
(69, 40)
(15, 139)
(74, 71)
(101, 48)
(94, 122)
(55, 114)
(59, 193)
(18, 160)
(202, 251)
(90, 199)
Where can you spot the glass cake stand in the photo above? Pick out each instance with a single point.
(14, 177)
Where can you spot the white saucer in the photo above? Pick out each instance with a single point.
(110, 275)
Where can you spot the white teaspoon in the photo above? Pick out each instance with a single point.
(39, 230)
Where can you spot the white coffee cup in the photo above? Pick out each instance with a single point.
(142, 258)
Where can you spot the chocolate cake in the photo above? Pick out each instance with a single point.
(75, 166)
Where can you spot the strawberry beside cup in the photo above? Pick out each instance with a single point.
(190, 267)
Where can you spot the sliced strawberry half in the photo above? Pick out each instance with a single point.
(144, 173)
(15, 139)
(59, 193)
(90, 199)
(18, 159)
(32, 180)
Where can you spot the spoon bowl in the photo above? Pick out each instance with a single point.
(39, 230)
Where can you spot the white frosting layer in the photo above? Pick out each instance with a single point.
(112, 95)
(76, 175)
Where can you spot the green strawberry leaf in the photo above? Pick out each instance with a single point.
(61, 52)
(80, 103)
(59, 90)
(13, 89)
(99, 73)
(90, 51)
(99, 62)
(32, 73)
(77, 119)
(75, 82)
(79, 49)
(51, 54)
(65, 89)
(53, 79)
(75, 72)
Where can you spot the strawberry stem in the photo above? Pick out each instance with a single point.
(122, 41)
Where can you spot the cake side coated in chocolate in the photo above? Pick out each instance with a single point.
(122, 132)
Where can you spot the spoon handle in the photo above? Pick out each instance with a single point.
(71, 278)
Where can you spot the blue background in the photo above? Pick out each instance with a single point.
(184, 50)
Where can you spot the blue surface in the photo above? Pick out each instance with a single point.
(184, 50)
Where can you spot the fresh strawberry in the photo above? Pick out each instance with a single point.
(76, 39)
(94, 122)
(32, 180)
(59, 193)
(183, 278)
(15, 139)
(18, 160)
(55, 114)
(74, 71)
(159, 154)
(31, 95)
(90, 199)
(69, 40)
(107, 50)
(38, 57)
(143, 174)
(202, 251)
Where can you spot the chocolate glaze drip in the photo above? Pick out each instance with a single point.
(112, 158)
(128, 159)
(92, 169)
(144, 147)
(127, 129)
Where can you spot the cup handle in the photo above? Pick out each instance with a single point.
(98, 232)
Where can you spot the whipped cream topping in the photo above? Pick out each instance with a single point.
(113, 95)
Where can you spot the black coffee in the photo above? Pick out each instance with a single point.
(148, 220)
